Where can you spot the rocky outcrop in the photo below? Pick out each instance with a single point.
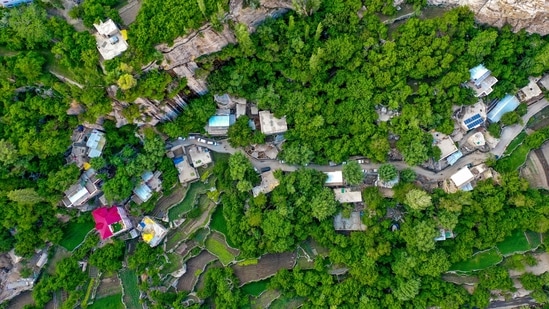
(532, 15)
(181, 55)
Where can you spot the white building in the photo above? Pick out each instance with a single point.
(270, 124)
(110, 41)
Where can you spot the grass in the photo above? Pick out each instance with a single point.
(479, 261)
(514, 143)
(284, 302)
(256, 288)
(84, 303)
(195, 189)
(513, 161)
(219, 224)
(75, 232)
(108, 302)
(201, 235)
(131, 289)
(534, 239)
(175, 263)
(220, 250)
(517, 242)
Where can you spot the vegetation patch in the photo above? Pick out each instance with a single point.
(534, 238)
(479, 261)
(108, 302)
(76, 231)
(256, 288)
(515, 143)
(131, 289)
(195, 189)
(175, 262)
(517, 242)
(220, 250)
(285, 302)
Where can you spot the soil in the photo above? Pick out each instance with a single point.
(536, 168)
(166, 202)
(109, 286)
(540, 268)
(188, 280)
(267, 266)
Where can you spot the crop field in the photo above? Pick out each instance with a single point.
(131, 289)
(195, 189)
(534, 239)
(256, 288)
(195, 264)
(267, 266)
(216, 245)
(175, 263)
(478, 261)
(514, 243)
(108, 302)
(284, 302)
(75, 232)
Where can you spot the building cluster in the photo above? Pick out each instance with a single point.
(465, 179)
(111, 42)
(188, 159)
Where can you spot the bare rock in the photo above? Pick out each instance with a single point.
(531, 15)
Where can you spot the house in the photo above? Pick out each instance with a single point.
(268, 183)
(12, 3)
(111, 221)
(199, 156)
(346, 195)
(459, 181)
(96, 143)
(334, 179)
(219, 124)
(149, 184)
(187, 173)
(476, 140)
(86, 188)
(151, 231)
(473, 116)
(444, 143)
(110, 41)
(453, 158)
(270, 124)
(531, 92)
(240, 109)
(481, 81)
(444, 234)
(508, 104)
(544, 82)
(353, 223)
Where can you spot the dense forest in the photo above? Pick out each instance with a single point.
(328, 73)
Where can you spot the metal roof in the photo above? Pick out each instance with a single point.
(508, 104)
(219, 121)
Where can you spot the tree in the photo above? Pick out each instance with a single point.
(109, 257)
(352, 173)
(418, 199)
(29, 23)
(29, 66)
(126, 81)
(324, 204)
(306, 7)
(295, 153)
(27, 196)
(408, 175)
(8, 153)
(239, 165)
(241, 135)
(510, 118)
(407, 289)
(420, 235)
(387, 172)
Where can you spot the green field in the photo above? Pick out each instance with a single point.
(256, 288)
(479, 261)
(195, 189)
(219, 224)
(514, 243)
(175, 263)
(220, 250)
(131, 289)
(534, 239)
(108, 302)
(514, 143)
(284, 302)
(74, 232)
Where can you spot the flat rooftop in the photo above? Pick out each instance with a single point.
(445, 143)
(345, 195)
(270, 124)
(530, 91)
(334, 178)
(353, 223)
(462, 177)
(199, 155)
(268, 184)
(186, 171)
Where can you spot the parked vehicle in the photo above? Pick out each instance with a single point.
(332, 163)
(265, 169)
(210, 142)
(201, 140)
(361, 161)
(192, 137)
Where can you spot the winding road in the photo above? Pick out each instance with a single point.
(474, 158)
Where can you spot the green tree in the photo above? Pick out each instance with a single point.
(408, 175)
(29, 23)
(387, 172)
(109, 257)
(407, 289)
(8, 153)
(241, 135)
(126, 81)
(352, 173)
(295, 153)
(420, 235)
(324, 204)
(27, 196)
(418, 199)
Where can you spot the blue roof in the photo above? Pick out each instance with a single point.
(508, 104)
(177, 160)
(478, 72)
(473, 122)
(452, 159)
(143, 192)
(219, 121)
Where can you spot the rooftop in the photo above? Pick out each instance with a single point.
(530, 92)
(96, 143)
(334, 178)
(143, 192)
(508, 104)
(187, 173)
(107, 28)
(445, 143)
(268, 183)
(151, 231)
(353, 223)
(476, 140)
(453, 158)
(199, 155)
(110, 221)
(462, 177)
(473, 116)
(345, 195)
(270, 124)
(481, 80)
(479, 73)
(219, 121)
(110, 42)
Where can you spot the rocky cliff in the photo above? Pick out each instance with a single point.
(531, 15)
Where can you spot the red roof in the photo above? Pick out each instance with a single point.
(104, 217)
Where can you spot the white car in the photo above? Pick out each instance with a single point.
(210, 142)
(201, 140)
(361, 161)
(192, 137)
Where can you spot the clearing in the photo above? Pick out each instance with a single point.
(195, 266)
(131, 289)
(219, 224)
(108, 302)
(256, 288)
(267, 266)
(284, 302)
(216, 244)
(265, 299)
(75, 232)
(517, 242)
(479, 261)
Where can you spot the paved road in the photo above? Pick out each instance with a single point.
(477, 157)
(509, 133)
